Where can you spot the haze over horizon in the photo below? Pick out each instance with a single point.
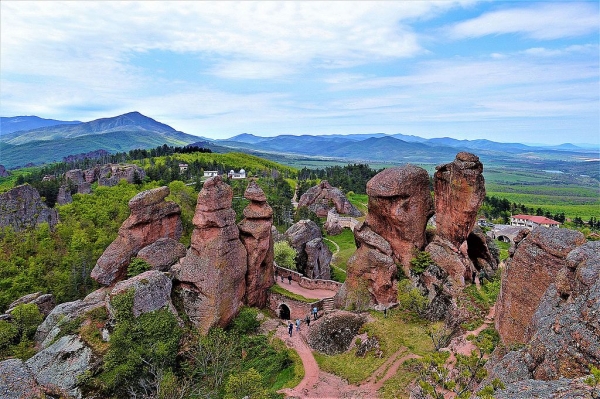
(505, 71)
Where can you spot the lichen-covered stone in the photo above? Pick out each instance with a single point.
(152, 291)
(22, 208)
(17, 381)
(58, 367)
(312, 259)
(151, 219)
(334, 332)
(44, 302)
(162, 254)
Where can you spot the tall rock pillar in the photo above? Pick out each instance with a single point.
(212, 275)
(255, 233)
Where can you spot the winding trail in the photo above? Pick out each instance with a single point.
(337, 250)
(306, 292)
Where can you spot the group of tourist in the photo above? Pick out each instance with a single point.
(314, 311)
(289, 277)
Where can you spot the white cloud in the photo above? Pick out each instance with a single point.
(544, 22)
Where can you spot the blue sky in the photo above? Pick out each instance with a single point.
(513, 71)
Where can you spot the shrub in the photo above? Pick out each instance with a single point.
(245, 322)
(410, 298)
(8, 336)
(285, 255)
(27, 317)
(420, 262)
(137, 266)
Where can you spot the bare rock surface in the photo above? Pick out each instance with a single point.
(371, 272)
(535, 262)
(334, 332)
(58, 366)
(399, 206)
(212, 276)
(22, 208)
(17, 381)
(162, 254)
(152, 291)
(65, 312)
(3, 171)
(111, 174)
(459, 192)
(563, 335)
(151, 219)
(320, 198)
(559, 389)
(313, 259)
(255, 234)
(64, 196)
(44, 302)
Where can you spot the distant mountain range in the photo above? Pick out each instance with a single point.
(50, 140)
(23, 123)
(51, 143)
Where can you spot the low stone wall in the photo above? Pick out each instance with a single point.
(306, 282)
(298, 309)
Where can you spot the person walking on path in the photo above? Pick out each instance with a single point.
(298, 324)
(307, 320)
(385, 312)
(276, 274)
(315, 311)
(290, 328)
(290, 279)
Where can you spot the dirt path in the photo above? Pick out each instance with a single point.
(387, 370)
(306, 292)
(465, 347)
(337, 250)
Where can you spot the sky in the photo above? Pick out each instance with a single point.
(508, 71)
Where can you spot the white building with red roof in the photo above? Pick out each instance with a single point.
(531, 222)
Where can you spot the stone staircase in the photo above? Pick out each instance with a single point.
(327, 304)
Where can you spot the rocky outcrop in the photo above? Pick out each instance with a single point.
(562, 336)
(22, 208)
(65, 312)
(64, 196)
(371, 273)
(560, 389)
(334, 332)
(321, 197)
(459, 192)
(152, 291)
(76, 177)
(44, 302)
(333, 227)
(255, 234)
(313, 256)
(151, 218)
(17, 381)
(162, 254)
(3, 171)
(111, 174)
(532, 267)
(400, 204)
(212, 274)
(58, 367)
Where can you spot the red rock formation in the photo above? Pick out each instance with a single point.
(371, 272)
(255, 233)
(319, 198)
(459, 192)
(400, 204)
(534, 265)
(212, 274)
(151, 218)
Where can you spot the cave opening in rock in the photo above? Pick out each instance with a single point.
(284, 312)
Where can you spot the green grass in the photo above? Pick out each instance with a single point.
(291, 376)
(280, 290)
(345, 240)
(393, 332)
(503, 247)
(397, 386)
(360, 201)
